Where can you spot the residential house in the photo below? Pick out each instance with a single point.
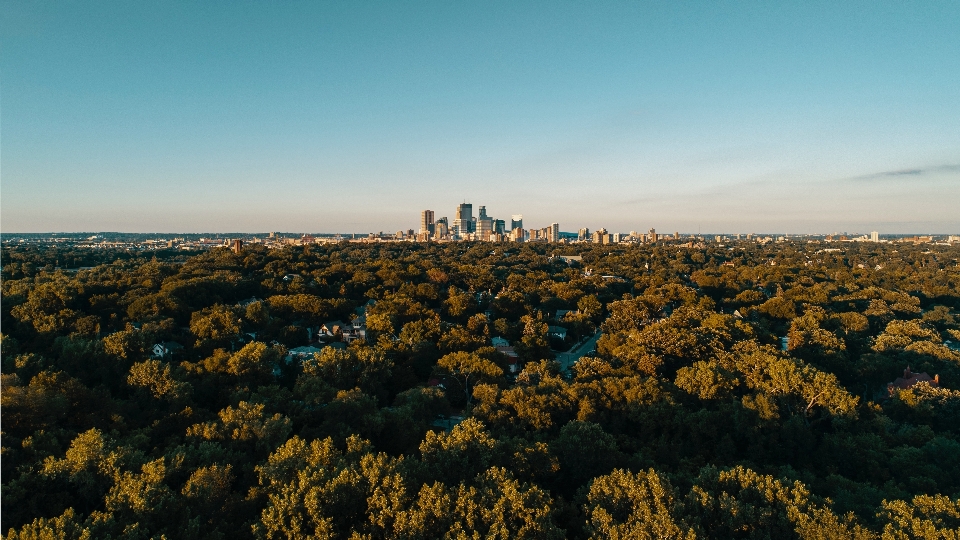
(513, 359)
(333, 329)
(248, 301)
(558, 332)
(166, 349)
(357, 330)
(910, 379)
(301, 353)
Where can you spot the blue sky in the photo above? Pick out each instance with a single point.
(354, 116)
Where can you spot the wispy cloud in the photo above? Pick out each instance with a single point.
(908, 172)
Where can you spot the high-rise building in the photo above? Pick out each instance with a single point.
(465, 212)
(583, 235)
(484, 225)
(653, 235)
(553, 233)
(676, 235)
(499, 226)
(237, 246)
(484, 228)
(516, 234)
(600, 236)
(516, 221)
(874, 236)
(464, 223)
(426, 221)
(440, 229)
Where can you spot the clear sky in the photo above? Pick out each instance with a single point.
(354, 116)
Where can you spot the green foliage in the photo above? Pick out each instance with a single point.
(469, 369)
(216, 325)
(624, 505)
(686, 418)
(739, 503)
(246, 422)
(926, 517)
(156, 377)
(357, 367)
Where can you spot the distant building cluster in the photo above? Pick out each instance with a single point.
(466, 226)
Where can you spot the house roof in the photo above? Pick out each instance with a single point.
(306, 349)
(910, 378)
(333, 324)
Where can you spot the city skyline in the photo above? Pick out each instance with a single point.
(179, 117)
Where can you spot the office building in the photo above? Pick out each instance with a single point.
(484, 225)
(440, 228)
(464, 223)
(426, 221)
(653, 235)
(499, 226)
(465, 212)
(583, 235)
(516, 222)
(874, 236)
(483, 228)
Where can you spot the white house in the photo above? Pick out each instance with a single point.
(332, 329)
(166, 349)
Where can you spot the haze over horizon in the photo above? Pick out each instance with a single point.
(809, 117)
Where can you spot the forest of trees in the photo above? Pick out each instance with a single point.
(693, 417)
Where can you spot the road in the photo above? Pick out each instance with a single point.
(568, 358)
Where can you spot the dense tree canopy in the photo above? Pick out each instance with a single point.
(731, 392)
